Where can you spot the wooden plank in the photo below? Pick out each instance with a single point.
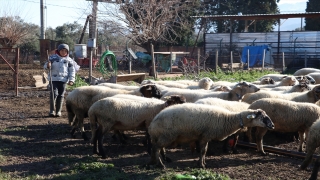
(137, 77)
(172, 53)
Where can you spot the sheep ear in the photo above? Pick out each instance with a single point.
(251, 116)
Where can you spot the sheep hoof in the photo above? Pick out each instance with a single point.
(263, 154)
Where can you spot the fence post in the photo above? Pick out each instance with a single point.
(198, 61)
(171, 59)
(217, 54)
(263, 58)
(153, 62)
(283, 62)
(231, 61)
(248, 59)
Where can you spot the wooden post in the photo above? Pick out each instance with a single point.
(198, 61)
(231, 60)
(283, 62)
(248, 59)
(171, 59)
(263, 57)
(16, 72)
(153, 62)
(217, 54)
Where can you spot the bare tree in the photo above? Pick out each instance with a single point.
(13, 31)
(150, 21)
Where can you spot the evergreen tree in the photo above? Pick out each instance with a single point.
(233, 7)
(312, 24)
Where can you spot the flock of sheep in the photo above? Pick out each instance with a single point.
(197, 112)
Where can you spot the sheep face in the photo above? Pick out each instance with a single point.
(150, 90)
(305, 79)
(261, 119)
(290, 80)
(267, 80)
(244, 88)
(175, 99)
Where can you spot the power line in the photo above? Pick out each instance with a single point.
(55, 5)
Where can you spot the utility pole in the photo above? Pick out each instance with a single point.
(43, 36)
(93, 23)
(92, 36)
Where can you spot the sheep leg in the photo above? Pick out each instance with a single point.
(259, 136)
(203, 151)
(308, 158)
(315, 170)
(301, 140)
(155, 158)
(81, 127)
(163, 155)
(94, 141)
(148, 142)
(120, 135)
(248, 136)
(74, 124)
(235, 139)
(99, 136)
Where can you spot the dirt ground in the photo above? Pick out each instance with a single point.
(31, 143)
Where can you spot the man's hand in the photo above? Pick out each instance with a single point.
(49, 65)
(70, 83)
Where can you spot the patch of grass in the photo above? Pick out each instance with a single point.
(77, 83)
(202, 174)
(235, 76)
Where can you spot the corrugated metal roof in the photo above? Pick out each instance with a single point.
(262, 16)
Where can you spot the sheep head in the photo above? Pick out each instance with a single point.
(305, 79)
(150, 90)
(289, 81)
(257, 118)
(243, 88)
(174, 99)
(267, 80)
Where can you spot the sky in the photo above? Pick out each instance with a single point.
(58, 12)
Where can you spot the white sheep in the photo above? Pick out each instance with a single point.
(79, 100)
(307, 96)
(287, 81)
(234, 95)
(275, 77)
(266, 80)
(222, 88)
(118, 86)
(204, 83)
(191, 122)
(287, 116)
(313, 142)
(305, 71)
(233, 106)
(301, 87)
(114, 113)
